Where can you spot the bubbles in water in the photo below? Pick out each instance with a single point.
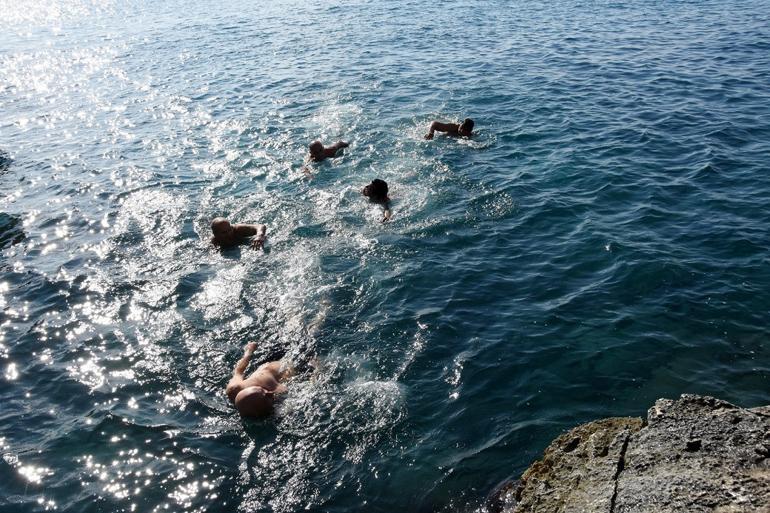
(320, 425)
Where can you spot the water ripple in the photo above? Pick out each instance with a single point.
(599, 243)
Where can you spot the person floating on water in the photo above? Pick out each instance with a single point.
(256, 395)
(227, 235)
(377, 192)
(463, 129)
(318, 152)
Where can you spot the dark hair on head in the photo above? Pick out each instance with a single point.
(377, 190)
(219, 222)
(468, 124)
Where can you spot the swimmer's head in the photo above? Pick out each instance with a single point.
(254, 402)
(466, 127)
(316, 149)
(222, 229)
(376, 191)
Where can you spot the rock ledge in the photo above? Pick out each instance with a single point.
(695, 454)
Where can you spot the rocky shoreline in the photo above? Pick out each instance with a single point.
(694, 454)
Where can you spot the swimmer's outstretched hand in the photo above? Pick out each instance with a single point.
(258, 243)
(429, 136)
(250, 348)
(261, 234)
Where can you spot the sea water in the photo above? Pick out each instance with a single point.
(600, 242)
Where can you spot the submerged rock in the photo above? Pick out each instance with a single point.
(10, 230)
(5, 161)
(695, 454)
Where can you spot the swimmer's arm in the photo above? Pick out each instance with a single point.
(334, 148)
(240, 366)
(259, 241)
(245, 230)
(387, 213)
(236, 382)
(437, 126)
(249, 230)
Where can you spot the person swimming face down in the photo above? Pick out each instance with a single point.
(255, 395)
(464, 129)
(227, 235)
(318, 152)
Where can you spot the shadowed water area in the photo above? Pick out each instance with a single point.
(601, 242)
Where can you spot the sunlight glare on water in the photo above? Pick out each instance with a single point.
(600, 242)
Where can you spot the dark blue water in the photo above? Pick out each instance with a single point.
(601, 242)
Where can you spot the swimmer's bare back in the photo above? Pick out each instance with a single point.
(447, 128)
(463, 129)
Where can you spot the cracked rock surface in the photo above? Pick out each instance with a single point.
(695, 454)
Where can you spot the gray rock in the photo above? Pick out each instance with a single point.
(5, 161)
(10, 230)
(695, 454)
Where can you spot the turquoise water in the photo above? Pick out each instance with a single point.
(601, 242)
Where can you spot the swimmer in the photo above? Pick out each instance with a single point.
(377, 192)
(227, 235)
(318, 152)
(256, 395)
(463, 129)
